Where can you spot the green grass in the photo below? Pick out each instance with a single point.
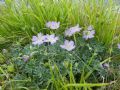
(61, 83)
(20, 20)
(58, 81)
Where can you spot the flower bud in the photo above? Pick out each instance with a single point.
(4, 51)
(25, 58)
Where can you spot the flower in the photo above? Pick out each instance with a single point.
(72, 30)
(90, 27)
(53, 25)
(38, 40)
(68, 45)
(25, 58)
(105, 65)
(5, 51)
(118, 46)
(51, 38)
(89, 33)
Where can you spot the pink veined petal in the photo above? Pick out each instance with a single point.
(71, 43)
(34, 38)
(56, 38)
(48, 24)
(35, 43)
(92, 36)
(77, 29)
(70, 49)
(68, 33)
(85, 37)
(68, 45)
(62, 46)
(90, 27)
(92, 32)
(73, 47)
(118, 46)
(50, 38)
(53, 35)
(45, 38)
(39, 43)
(53, 25)
(66, 42)
(72, 30)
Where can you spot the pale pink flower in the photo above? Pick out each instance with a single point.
(68, 45)
(69, 32)
(53, 25)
